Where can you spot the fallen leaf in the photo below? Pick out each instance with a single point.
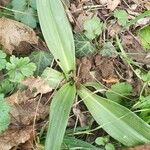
(16, 36)
(113, 29)
(4, 2)
(79, 22)
(79, 114)
(84, 65)
(143, 3)
(19, 97)
(111, 80)
(135, 51)
(141, 147)
(103, 2)
(147, 4)
(37, 85)
(112, 4)
(24, 108)
(12, 138)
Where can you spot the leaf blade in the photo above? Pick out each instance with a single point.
(59, 114)
(57, 32)
(116, 120)
(52, 77)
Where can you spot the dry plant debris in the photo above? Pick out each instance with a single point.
(16, 36)
(26, 106)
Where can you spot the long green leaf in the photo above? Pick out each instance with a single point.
(116, 120)
(57, 32)
(59, 114)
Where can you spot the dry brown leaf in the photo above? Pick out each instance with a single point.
(12, 138)
(145, 3)
(135, 51)
(24, 108)
(113, 29)
(19, 97)
(28, 145)
(24, 113)
(4, 2)
(111, 80)
(79, 22)
(141, 147)
(112, 4)
(103, 2)
(37, 85)
(79, 114)
(13, 34)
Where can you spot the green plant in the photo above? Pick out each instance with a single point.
(108, 50)
(83, 46)
(93, 27)
(118, 121)
(121, 16)
(104, 141)
(4, 113)
(74, 143)
(13, 70)
(41, 59)
(2, 60)
(118, 90)
(144, 35)
(25, 11)
(19, 68)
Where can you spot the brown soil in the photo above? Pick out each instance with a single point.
(107, 70)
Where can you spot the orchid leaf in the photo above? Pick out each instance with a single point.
(57, 33)
(118, 121)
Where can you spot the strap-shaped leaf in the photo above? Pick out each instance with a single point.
(57, 32)
(59, 114)
(118, 121)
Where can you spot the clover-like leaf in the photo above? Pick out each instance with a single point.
(25, 11)
(4, 114)
(93, 27)
(121, 16)
(19, 68)
(109, 146)
(2, 60)
(29, 18)
(6, 86)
